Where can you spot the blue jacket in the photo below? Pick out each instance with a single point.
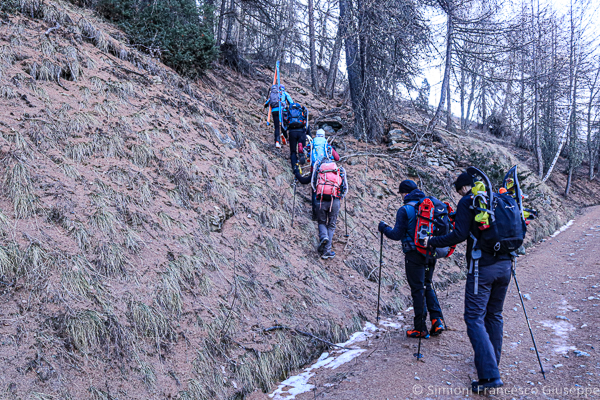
(285, 97)
(403, 229)
(465, 225)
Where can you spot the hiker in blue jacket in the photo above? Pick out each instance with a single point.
(419, 269)
(483, 311)
(284, 100)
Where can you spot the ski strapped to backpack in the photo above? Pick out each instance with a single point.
(511, 186)
(432, 218)
(502, 226)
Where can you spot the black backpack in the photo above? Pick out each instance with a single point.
(507, 227)
(295, 116)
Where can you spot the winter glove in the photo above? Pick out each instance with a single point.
(382, 226)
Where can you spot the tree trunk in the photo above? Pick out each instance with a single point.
(483, 99)
(462, 94)
(230, 22)
(449, 126)
(471, 99)
(536, 128)
(335, 59)
(221, 18)
(448, 66)
(352, 65)
(311, 39)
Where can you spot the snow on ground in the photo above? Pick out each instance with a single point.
(297, 384)
(563, 228)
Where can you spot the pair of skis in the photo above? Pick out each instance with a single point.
(276, 80)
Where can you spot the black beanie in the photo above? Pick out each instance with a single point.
(463, 179)
(407, 186)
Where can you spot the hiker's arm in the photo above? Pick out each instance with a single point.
(305, 180)
(288, 98)
(335, 154)
(399, 230)
(462, 227)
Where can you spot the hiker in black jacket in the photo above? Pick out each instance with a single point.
(483, 311)
(419, 269)
(297, 137)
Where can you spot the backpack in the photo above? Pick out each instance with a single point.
(329, 181)
(319, 150)
(295, 116)
(275, 96)
(507, 228)
(429, 217)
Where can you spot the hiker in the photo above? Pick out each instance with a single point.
(277, 97)
(483, 305)
(323, 150)
(319, 148)
(296, 124)
(419, 268)
(329, 185)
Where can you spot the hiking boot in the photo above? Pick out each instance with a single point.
(482, 386)
(417, 334)
(329, 254)
(437, 326)
(322, 245)
(277, 145)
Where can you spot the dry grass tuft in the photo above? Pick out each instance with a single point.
(110, 260)
(86, 329)
(150, 322)
(18, 186)
(141, 155)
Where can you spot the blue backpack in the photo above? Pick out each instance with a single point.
(319, 150)
(295, 116)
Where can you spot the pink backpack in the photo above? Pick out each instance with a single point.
(329, 180)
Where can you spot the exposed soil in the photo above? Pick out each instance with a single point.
(561, 280)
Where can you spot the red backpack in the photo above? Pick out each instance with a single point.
(329, 181)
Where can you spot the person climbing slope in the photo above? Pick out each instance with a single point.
(419, 269)
(278, 98)
(485, 288)
(330, 186)
(296, 123)
(323, 149)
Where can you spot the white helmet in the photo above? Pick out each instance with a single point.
(320, 133)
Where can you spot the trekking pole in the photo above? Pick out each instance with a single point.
(345, 217)
(514, 273)
(294, 203)
(380, 264)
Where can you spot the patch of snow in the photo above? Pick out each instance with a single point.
(561, 330)
(298, 384)
(563, 228)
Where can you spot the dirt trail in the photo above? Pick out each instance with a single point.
(561, 282)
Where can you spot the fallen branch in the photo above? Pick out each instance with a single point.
(49, 31)
(282, 327)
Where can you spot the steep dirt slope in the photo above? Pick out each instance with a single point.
(145, 238)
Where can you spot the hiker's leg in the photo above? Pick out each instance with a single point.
(333, 214)
(494, 324)
(322, 211)
(433, 305)
(315, 205)
(276, 125)
(415, 276)
(475, 309)
(294, 136)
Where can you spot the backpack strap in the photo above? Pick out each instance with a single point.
(474, 266)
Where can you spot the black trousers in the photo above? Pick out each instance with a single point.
(296, 136)
(277, 125)
(419, 276)
(483, 316)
